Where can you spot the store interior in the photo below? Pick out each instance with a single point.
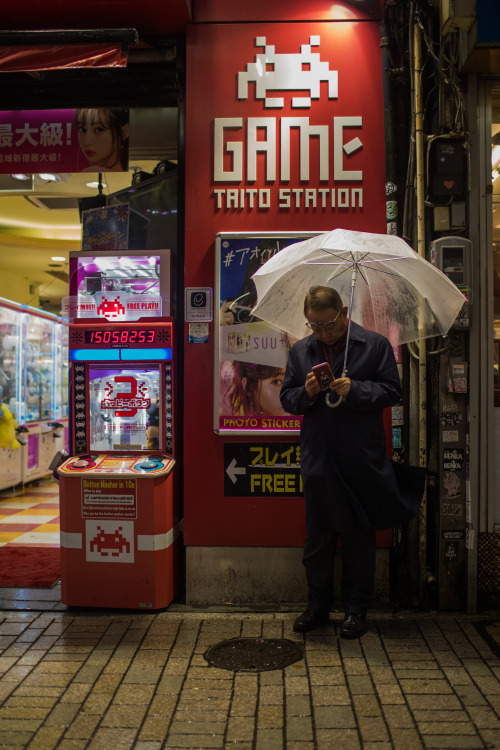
(40, 219)
(40, 225)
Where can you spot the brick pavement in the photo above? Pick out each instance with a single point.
(75, 680)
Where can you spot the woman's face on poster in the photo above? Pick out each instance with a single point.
(269, 395)
(96, 140)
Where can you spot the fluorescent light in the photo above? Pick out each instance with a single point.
(95, 184)
(58, 257)
(21, 176)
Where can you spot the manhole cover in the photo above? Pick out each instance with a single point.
(253, 654)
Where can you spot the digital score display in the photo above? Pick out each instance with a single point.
(123, 336)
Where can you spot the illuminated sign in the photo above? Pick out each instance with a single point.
(263, 153)
(121, 335)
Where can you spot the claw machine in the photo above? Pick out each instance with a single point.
(37, 414)
(61, 429)
(11, 439)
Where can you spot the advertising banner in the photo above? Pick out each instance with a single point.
(252, 354)
(64, 140)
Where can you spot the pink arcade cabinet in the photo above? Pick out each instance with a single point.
(119, 514)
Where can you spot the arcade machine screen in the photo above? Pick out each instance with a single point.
(124, 408)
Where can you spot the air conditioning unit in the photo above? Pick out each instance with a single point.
(457, 15)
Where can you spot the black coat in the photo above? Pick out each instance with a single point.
(349, 481)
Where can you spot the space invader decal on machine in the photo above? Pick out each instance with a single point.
(291, 71)
(111, 308)
(109, 541)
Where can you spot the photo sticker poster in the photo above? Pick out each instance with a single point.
(252, 354)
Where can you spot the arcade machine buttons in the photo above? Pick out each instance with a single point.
(149, 464)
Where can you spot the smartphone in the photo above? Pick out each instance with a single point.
(324, 375)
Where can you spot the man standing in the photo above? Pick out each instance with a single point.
(350, 485)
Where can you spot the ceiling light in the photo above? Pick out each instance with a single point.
(21, 176)
(58, 257)
(49, 177)
(95, 184)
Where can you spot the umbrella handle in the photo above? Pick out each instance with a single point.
(336, 403)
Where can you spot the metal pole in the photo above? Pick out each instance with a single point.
(420, 241)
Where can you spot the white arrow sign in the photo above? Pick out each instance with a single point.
(232, 471)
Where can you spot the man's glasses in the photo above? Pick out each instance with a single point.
(323, 326)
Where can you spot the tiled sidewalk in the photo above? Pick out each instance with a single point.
(110, 680)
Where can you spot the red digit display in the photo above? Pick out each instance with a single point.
(123, 336)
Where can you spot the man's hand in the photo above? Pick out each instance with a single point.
(342, 386)
(312, 386)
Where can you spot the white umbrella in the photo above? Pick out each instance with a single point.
(387, 286)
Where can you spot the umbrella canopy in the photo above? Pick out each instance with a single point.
(389, 287)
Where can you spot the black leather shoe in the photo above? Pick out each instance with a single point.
(354, 625)
(310, 621)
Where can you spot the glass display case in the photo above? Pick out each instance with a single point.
(39, 372)
(41, 391)
(10, 355)
(118, 287)
(34, 388)
(10, 387)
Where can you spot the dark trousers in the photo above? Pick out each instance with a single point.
(358, 554)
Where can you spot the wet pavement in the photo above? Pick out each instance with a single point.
(75, 679)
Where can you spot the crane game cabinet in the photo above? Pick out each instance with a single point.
(119, 524)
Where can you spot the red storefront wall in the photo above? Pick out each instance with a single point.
(219, 158)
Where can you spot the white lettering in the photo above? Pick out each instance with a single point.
(235, 148)
(339, 123)
(343, 197)
(287, 198)
(267, 146)
(265, 198)
(284, 198)
(306, 131)
(250, 146)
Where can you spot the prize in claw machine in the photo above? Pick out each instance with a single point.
(119, 524)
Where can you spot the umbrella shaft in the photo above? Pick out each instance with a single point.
(351, 302)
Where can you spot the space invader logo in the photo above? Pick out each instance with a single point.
(111, 308)
(291, 71)
(109, 541)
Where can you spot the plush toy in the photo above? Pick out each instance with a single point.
(8, 429)
(152, 443)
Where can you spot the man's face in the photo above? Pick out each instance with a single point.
(333, 324)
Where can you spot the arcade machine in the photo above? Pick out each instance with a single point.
(38, 398)
(119, 524)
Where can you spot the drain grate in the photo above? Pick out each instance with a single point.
(253, 654)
